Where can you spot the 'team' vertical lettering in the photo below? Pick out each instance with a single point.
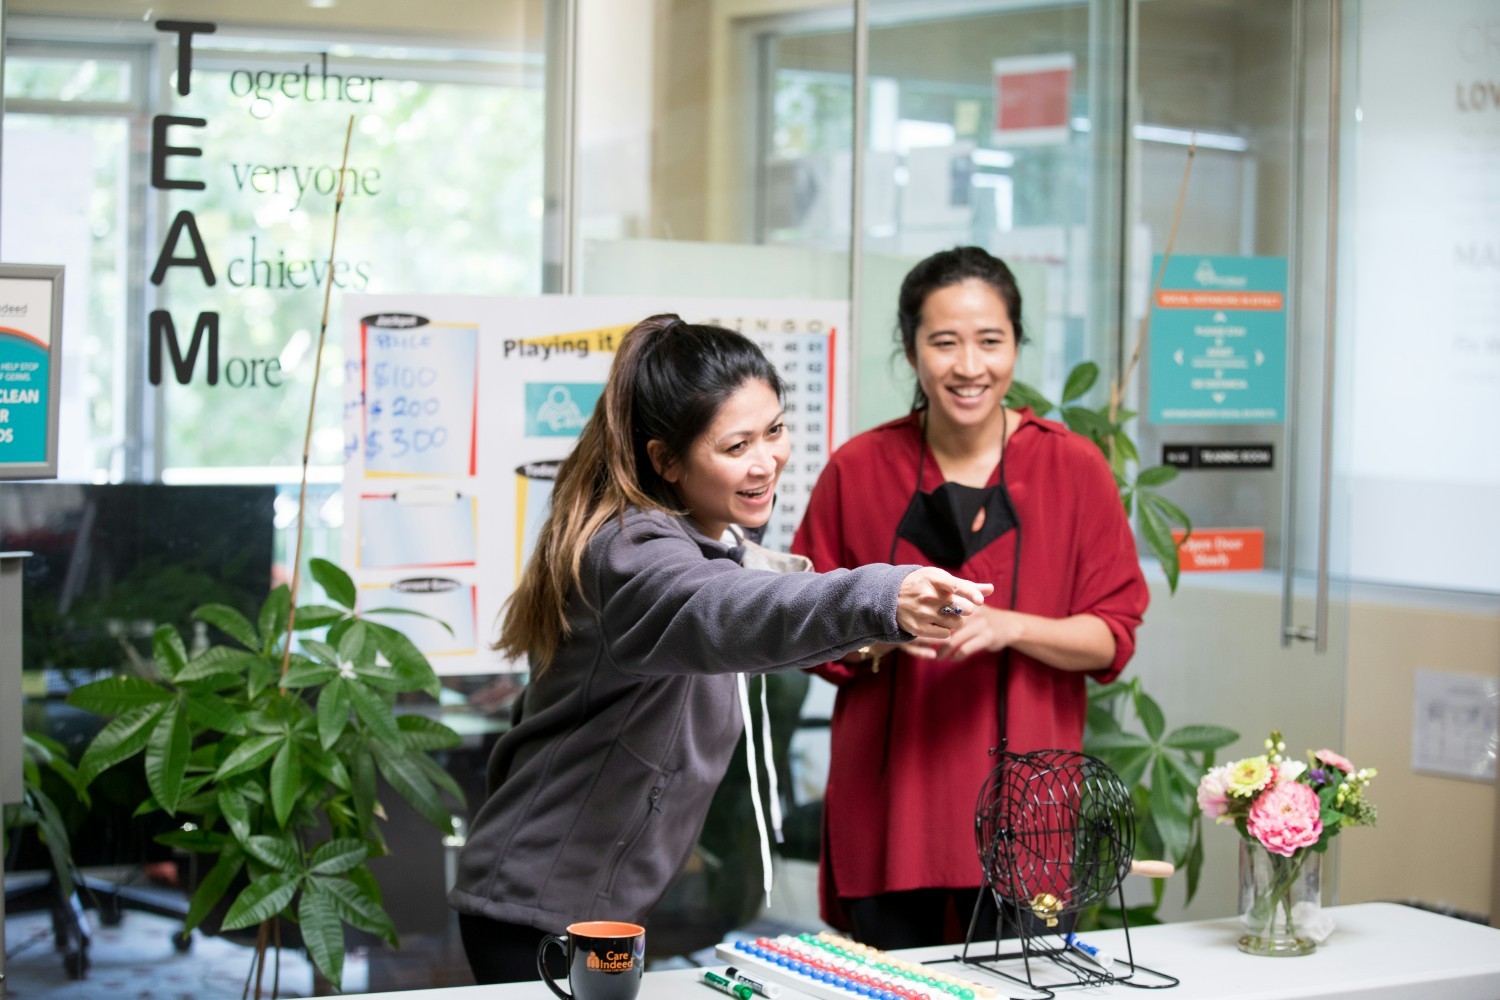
(163, 332)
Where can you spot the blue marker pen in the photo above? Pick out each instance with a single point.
(1103, 959)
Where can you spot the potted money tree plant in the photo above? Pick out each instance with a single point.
(269, 746)
(270, 758)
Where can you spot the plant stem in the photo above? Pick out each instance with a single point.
(1117, 390)
(312, 406)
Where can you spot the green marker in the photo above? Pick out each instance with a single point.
(724, 985)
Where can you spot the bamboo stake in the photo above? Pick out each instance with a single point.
(312, 406)
(1117, 390)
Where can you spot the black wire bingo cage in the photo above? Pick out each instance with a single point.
(1055, 831)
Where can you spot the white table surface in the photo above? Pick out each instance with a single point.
(1379, 951)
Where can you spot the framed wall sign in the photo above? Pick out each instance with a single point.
(31, 297)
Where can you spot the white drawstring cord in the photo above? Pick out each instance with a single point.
(765, 746)
(760, 817)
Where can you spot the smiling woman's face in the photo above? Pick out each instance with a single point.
(729, 473)
(964, 353)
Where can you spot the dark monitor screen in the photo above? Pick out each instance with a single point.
(111, 562)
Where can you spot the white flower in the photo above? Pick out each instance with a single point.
(1289, 770)
(346, 670)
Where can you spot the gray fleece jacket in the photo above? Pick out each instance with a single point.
(599, 791)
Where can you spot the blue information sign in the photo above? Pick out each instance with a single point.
(30, 344)
(1218, 341)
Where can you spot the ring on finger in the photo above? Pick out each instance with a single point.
(950, 609)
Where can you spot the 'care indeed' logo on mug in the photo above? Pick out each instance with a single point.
(613, 961)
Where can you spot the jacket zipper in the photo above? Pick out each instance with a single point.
(628, 844)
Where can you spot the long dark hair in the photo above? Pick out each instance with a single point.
(945, 268)
(668, 380)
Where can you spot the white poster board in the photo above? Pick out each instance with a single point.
(457, 410)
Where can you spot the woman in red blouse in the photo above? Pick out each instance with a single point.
(994, 495)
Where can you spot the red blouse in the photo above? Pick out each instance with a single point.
(910, 744)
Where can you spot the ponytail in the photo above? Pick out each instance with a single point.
(597, 481)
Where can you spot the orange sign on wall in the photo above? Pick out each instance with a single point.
(1211, 550)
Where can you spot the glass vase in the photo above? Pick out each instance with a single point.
(1280, 900)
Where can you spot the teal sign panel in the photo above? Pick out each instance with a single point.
(560, 409)
(1218, 341)
(25, 381)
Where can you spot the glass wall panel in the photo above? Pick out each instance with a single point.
(208, 210)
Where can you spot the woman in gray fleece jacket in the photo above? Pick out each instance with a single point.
(635, 617)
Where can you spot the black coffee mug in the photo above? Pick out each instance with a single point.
(605, 960)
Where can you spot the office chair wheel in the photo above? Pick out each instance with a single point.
(182, 942)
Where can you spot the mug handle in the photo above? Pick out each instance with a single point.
(561, 940)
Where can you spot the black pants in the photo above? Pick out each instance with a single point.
(922, 917)
(502, 953)
(919, 917)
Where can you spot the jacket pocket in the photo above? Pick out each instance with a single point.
(644, 821)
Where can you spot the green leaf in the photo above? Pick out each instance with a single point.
(364, 785)
(273, 615)
(1194, 865)
(333, 711)
(1082, 420)
(356, 908)
(1187, 774)
(167, 651)
(199, 841)
(321, 651)
(1159, 540)
(1100, 722)
(375, 713)
(1124, 447)
(356, 645)
(53, 832)
(310, 616)
(306, 673)
(121, 739)
(329, 767)
(212, 712)
(167, 751)
(264, 898)
(1022, 395)
(322, 931)
(407, 661)
(1118, 739)
(334, 581)
(1157, 475)
(1167, 509)
(1131, 765)
(231, 623)
(439, 777)
(1150, 715)
(249, 755)
(214, 885)
(1200, 737)
(1080, 380)
(337, 856)
(404, 775)
(286, 781)
(1107, 694)
(217, 661)
(1168, 814)
(117, 695)
(279, 853)
(236, 812)
(263, 675)
(422, 734)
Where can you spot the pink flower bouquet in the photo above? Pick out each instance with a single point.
(1288, 806)
(1286, 811)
